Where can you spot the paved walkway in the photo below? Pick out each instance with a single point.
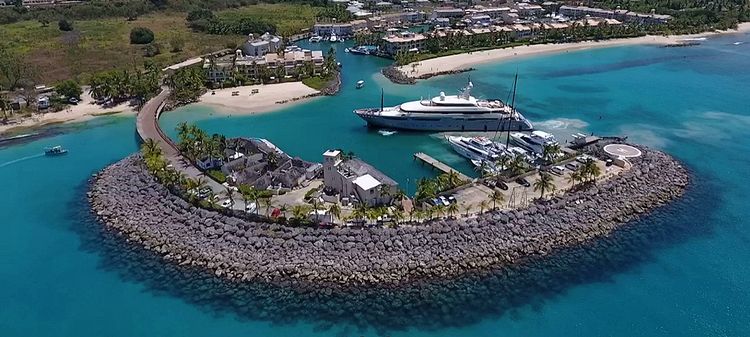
(147, 125)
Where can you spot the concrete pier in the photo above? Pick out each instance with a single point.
(438, 165)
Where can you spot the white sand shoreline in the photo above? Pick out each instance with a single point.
(85, 110)
(267, 98)
(463, 61)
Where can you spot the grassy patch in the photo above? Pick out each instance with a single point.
(317, 82)
(98, 45)
(217, 175)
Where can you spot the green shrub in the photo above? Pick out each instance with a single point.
(141, 35)
(69, 88)
(217, 175)
(65, 25)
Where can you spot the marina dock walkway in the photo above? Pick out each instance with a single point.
(436, 164)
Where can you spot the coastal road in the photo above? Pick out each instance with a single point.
(147, 126)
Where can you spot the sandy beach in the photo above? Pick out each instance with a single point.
(269, 97)
(467, 60)
(83, 111)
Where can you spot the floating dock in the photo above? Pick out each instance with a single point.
(440, 166)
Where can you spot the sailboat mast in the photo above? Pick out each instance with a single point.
(382, 93)
(512, 109)
(501, 122)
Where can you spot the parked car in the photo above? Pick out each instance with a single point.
(226, 203)
(523, 182)
(571, 166)
(582, 159)
(557, 170)
(503, 186)
(609, 162)
(444, 201)
(452, 199)
(250, 208)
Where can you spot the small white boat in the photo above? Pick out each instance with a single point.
(315, 39)
(360, 84)
(346, 50)
(738, 43)
(386, 132)
(333, 38)
(55, 151)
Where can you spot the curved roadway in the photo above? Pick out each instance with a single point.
(147, 126)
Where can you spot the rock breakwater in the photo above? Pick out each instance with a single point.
(127, 200)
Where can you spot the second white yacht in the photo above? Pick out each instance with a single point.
(534, 142)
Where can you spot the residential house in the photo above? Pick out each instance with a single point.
(262, 45)
(404, 41)
(353, 178)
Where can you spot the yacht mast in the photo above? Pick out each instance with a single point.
(512, 109)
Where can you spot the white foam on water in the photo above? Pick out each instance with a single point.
(15, 161)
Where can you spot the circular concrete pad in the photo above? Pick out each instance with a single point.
(622, 150)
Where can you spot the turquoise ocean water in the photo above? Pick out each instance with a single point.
(692, 102)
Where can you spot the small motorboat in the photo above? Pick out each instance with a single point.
(360, 84)
(346, 50)
(315, 39)
(386, 132)
(55, 151)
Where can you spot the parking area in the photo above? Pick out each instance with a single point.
(518, 194)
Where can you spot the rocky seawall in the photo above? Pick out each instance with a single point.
(399, 77)
(128, 202)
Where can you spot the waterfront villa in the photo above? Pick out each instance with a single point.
(292, 62)
(262, 45)
(352, 178)
(404, 41)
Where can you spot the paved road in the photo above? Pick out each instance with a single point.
(147, 125)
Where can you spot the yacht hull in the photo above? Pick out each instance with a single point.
(445, 123)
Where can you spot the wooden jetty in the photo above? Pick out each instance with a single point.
(438, 165)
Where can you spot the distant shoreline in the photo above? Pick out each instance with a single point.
(85, 110)
(460, 62)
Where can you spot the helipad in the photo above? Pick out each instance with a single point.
(622, 150)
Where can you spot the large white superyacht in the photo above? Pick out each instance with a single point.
(461, 112)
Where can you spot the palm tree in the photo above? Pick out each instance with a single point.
(254, 195)
(483, 206)
(300, 212)
(429, 213)
(267, 203)
(150, 148)
(453, 178)
(573, 178)
(335, 211)
(591, 170)
(550, 152)
(496, 197)
(398, 216)
(360, 211)
(517, 165)
(229, 193)
(502, 162)
(452, 209)
(440, 210)
(544, 183)
(283, 209)
(467, 209)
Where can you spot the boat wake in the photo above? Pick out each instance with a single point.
(738, 43)
(21, 159)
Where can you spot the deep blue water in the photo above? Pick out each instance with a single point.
(691, 102)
